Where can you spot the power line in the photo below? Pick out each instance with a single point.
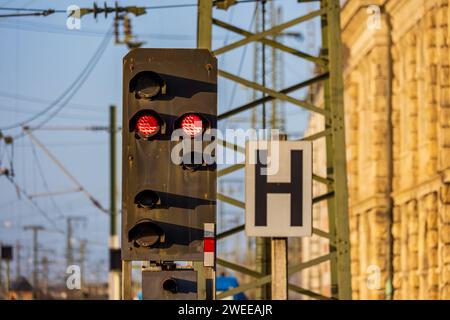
(51, 116)
(57, 29)
(241, 62)
(89, 69)
(62, 116)
(42, 13)
(36, 10)
(76, 144)
(47, 28)
(187, 5)
(40, 210)
(44, 180)
(84, 107)
(173, 6)
(30, 9)
(74, 128)
(77, 84)
(91, 198)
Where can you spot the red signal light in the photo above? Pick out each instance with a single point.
(192, 124)
(147, 125)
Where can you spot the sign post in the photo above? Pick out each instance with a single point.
(279, 269)
(278, 182)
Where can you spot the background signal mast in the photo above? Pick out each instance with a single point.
(96, 10)
(121, 16)
(268, 69)
(128, 37)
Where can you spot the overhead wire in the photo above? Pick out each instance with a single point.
(35, 205)
(44, 181)
(170, 6)
(62, 116)
(58, 29)
(70, 91)
(29, 9)
(91, 198)
(41, 13)
(79, 106)
(91, 67)
(241, 62)
(53, 114)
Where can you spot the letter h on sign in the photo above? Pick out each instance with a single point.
(278, 204)
(294, 188)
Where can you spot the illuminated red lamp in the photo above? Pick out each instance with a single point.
(192, 124)
(147, 125)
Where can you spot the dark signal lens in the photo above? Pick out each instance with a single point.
(146, 199)
(145, 234)
(170, 285)
(148, 85)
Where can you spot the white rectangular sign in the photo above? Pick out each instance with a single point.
(278, 188)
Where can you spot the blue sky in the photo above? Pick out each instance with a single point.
(40, 58)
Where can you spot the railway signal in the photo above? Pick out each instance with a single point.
(169, 99)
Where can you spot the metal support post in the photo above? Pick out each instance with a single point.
(113, 275)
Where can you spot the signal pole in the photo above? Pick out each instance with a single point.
(114, 275)
(82, 253)
(1, 268)
(45, 274)
(8, 276)
(69, 255)
(262, 245)
(279, 261)
(204, 41)
(69, 247)
(18, 261)
(152, 176)
(35, 229)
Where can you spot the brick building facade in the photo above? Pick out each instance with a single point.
(397, 85)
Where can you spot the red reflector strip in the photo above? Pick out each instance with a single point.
(209, 244)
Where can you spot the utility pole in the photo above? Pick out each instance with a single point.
(35, 229)
(18, 261)
(279, 261)
(6, 254)
(263, 245)
(114, 275)
(69, 255)
(330, 65)
(45, 274)
(1, 268)
(8, 276)
(82, 260)
(27, 264)
(204, 41)
(69, 247)
(45, 261)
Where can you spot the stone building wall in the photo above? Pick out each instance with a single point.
(415, 35)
